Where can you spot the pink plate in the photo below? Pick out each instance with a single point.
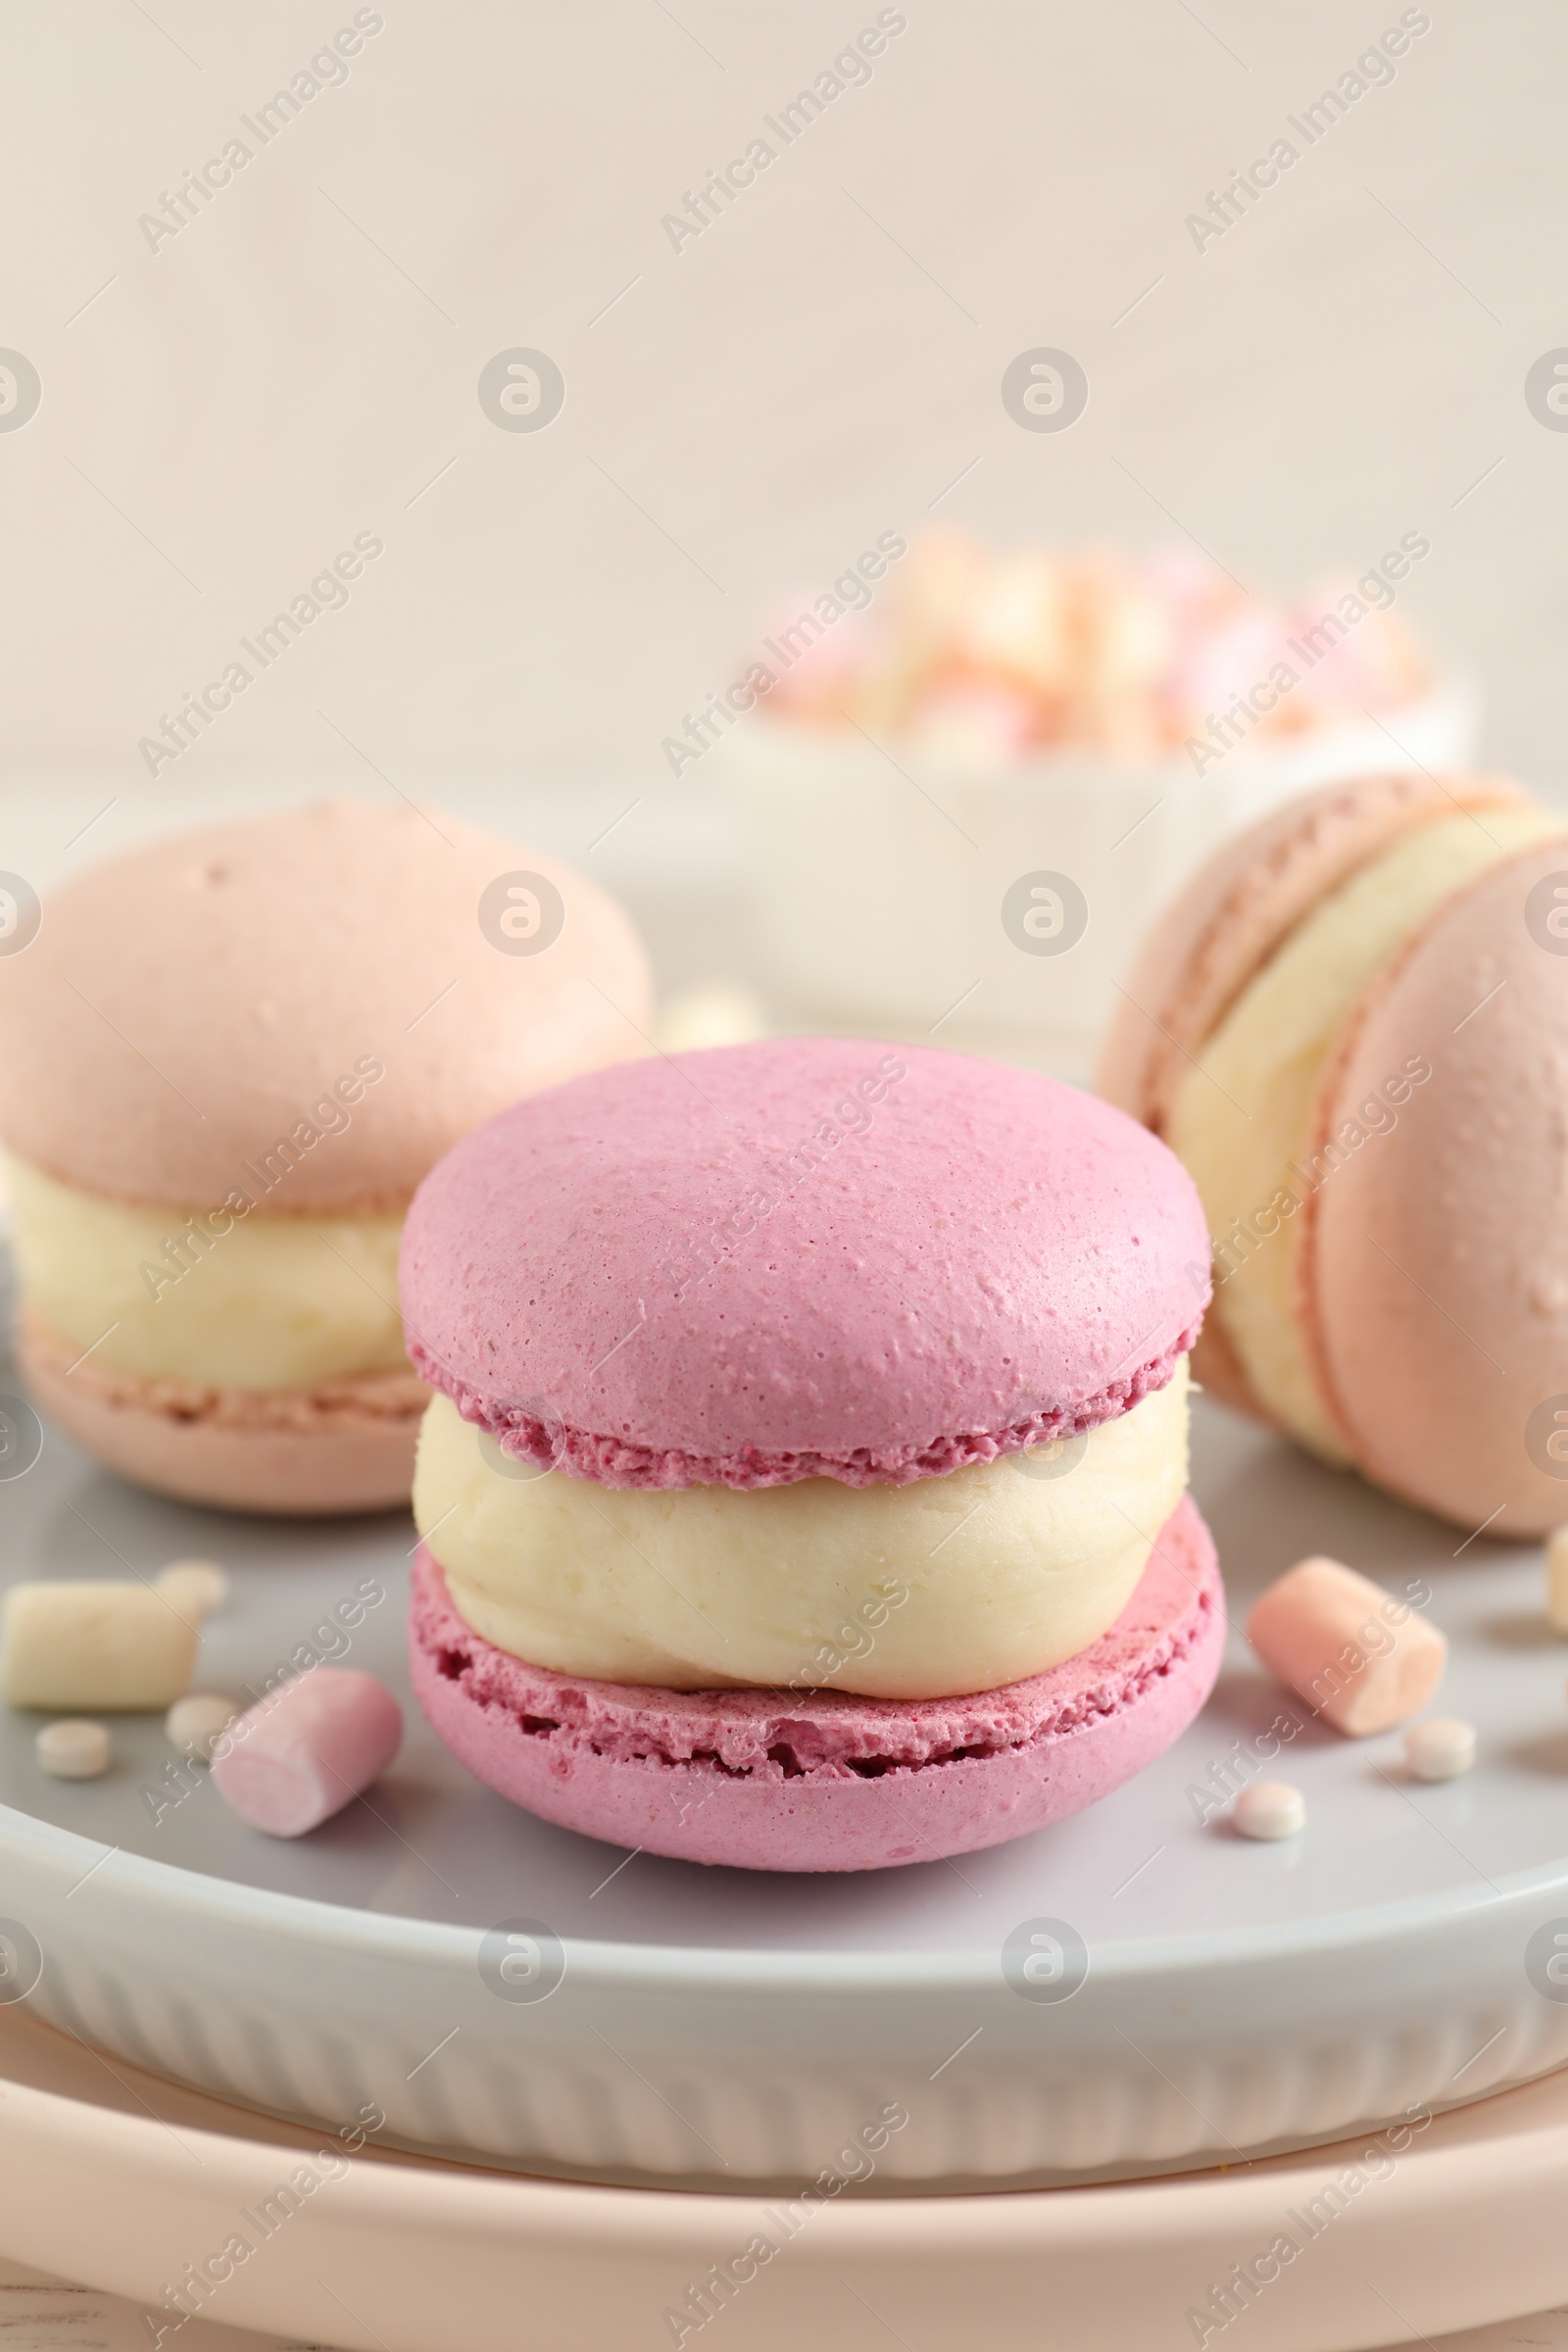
(114, 2177)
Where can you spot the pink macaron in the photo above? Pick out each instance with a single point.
(811, 1260)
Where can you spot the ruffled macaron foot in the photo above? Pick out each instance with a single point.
(344, 1445)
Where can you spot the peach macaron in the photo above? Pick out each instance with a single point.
(1349, 1026)
(226, 1060)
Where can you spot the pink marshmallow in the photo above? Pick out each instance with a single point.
(1361, 1657)
(301, 1752)
(973, 720)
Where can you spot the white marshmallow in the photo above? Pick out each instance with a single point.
(114, 1647)
(197, 1588)
(1269, 1809)
(72, 1750)
(193, 1724)
(1439, 1749)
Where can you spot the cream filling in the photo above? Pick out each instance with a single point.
(253, 1303)
(1243, 1120)
(948, 1584)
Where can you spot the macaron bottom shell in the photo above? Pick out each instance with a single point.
(818, 1781)
(347, 1447)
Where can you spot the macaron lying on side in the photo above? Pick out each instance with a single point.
(1347, 1026)
(227, 1060)
(804, 1484)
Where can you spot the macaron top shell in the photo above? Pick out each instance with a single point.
(1435, 1265)
(1227, 921)
(814, 1257)
(184, 1007)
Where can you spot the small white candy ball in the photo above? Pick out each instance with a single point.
(194, 1724)
(195, 1589)
(72, 1750)
(1442, 1749)
(1269, 1809)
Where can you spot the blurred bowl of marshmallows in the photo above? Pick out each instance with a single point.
(967, 776)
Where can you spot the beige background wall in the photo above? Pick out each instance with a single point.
(223, 414)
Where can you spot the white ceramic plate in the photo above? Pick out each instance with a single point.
(721, 2027)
